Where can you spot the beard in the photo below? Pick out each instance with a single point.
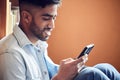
(39, 32)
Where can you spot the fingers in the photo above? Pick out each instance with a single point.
(75, 62)
(82, 59)
(68, 60)
(85, 58)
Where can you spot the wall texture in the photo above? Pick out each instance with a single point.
(81, 22)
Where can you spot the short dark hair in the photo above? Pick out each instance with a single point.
(41, 3)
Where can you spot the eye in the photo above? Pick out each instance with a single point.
(49, 18)
(46, 18)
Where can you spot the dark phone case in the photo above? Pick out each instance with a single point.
(86, 50)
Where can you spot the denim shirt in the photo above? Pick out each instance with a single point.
(22, 60)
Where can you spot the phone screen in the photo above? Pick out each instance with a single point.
(86, 50)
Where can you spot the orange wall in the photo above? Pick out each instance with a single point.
(81, 22)
(2, 17)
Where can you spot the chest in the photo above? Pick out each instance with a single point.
(36, 68)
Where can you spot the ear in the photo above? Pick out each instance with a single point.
(27, 17)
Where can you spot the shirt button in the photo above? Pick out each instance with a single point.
(38, 50)
(45, 72)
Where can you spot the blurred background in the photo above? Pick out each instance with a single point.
(81, 22)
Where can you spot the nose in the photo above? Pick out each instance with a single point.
(51, 24)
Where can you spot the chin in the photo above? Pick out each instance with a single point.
(44, 39)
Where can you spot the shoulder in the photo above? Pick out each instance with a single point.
(8, 44)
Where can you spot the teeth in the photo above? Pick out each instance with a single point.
(48, 33)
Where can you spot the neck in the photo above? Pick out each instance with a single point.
(28, 34)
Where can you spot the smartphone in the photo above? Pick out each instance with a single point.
(86, 50)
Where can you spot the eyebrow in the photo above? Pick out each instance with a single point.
(48, 15)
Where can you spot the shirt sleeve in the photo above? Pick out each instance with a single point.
(12, 66)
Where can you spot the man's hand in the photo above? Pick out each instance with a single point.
(69, 68)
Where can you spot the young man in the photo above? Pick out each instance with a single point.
(23, 54)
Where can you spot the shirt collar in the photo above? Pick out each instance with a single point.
(23, 39)
(41, 44)
(20, 36)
